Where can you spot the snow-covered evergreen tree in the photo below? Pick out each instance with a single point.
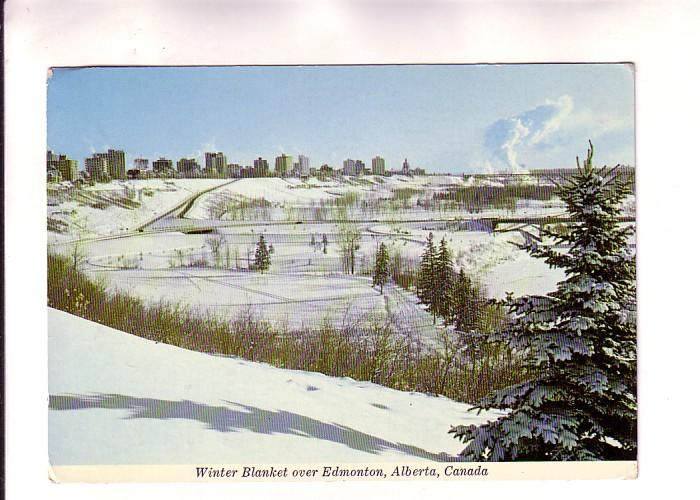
(324, 242)
(427, 277)
(381, 267)
(444, 274)
(465, 304)
(262, 255)
(579, 342)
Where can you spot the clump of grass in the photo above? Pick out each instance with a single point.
(377, 352)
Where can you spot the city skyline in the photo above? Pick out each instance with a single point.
(444, 118)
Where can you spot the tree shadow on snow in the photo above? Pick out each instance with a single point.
(227, 419)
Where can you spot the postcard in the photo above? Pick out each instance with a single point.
(341, 272)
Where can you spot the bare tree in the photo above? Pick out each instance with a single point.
(349, 240)
(78, 257)
(215, 243)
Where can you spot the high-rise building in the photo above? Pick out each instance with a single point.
(56, 163)
(215, 163)
(52, 172)
(349, 167)
(283, 165)
(359, 167)
(378, 166)
(304, 165)
(97, 167)
(260, 167)
(188, 167)
(233, 170)
(116, 163)
(68, 168)
(162, 165)
(141, 164)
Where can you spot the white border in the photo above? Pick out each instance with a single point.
(660, 37)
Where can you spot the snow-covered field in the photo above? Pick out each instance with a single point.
(293, 193)
(119, 399)
(298, 192)
(305, 286)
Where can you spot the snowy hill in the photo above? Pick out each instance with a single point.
(119, 399)
(78, 218)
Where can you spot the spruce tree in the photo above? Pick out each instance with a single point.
(579, 342)
(444, 274)
(427, 276)
(465, 304)
(262, 255)
(381, 267)
(324, 241)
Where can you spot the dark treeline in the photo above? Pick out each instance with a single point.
(476, 198)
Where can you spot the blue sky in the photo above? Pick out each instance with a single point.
(453, 118)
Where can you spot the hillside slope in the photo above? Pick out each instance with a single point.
(119, 399)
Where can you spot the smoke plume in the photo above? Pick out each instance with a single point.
(508, 137)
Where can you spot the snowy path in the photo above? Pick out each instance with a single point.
(119, 399)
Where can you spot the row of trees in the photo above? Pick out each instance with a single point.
(448, 294)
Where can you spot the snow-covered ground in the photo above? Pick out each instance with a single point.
(522, 275)
(118, 399)
(153, 197)
(295, 192)
(305, 286)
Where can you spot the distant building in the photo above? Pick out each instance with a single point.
(283, 165)
(188, 167)
(97, 167)
(52, 172)
(406, 169)
(359, 167)
(233, 170)
(215, 164)
(260, 167)
(141, 164)
(116, 163)
(349, 167)
(61, 164)
(378, 166)
(162, 165)
(68, 168)
(325, 171)
(51, 159)
(304, 166)
(133, 173)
